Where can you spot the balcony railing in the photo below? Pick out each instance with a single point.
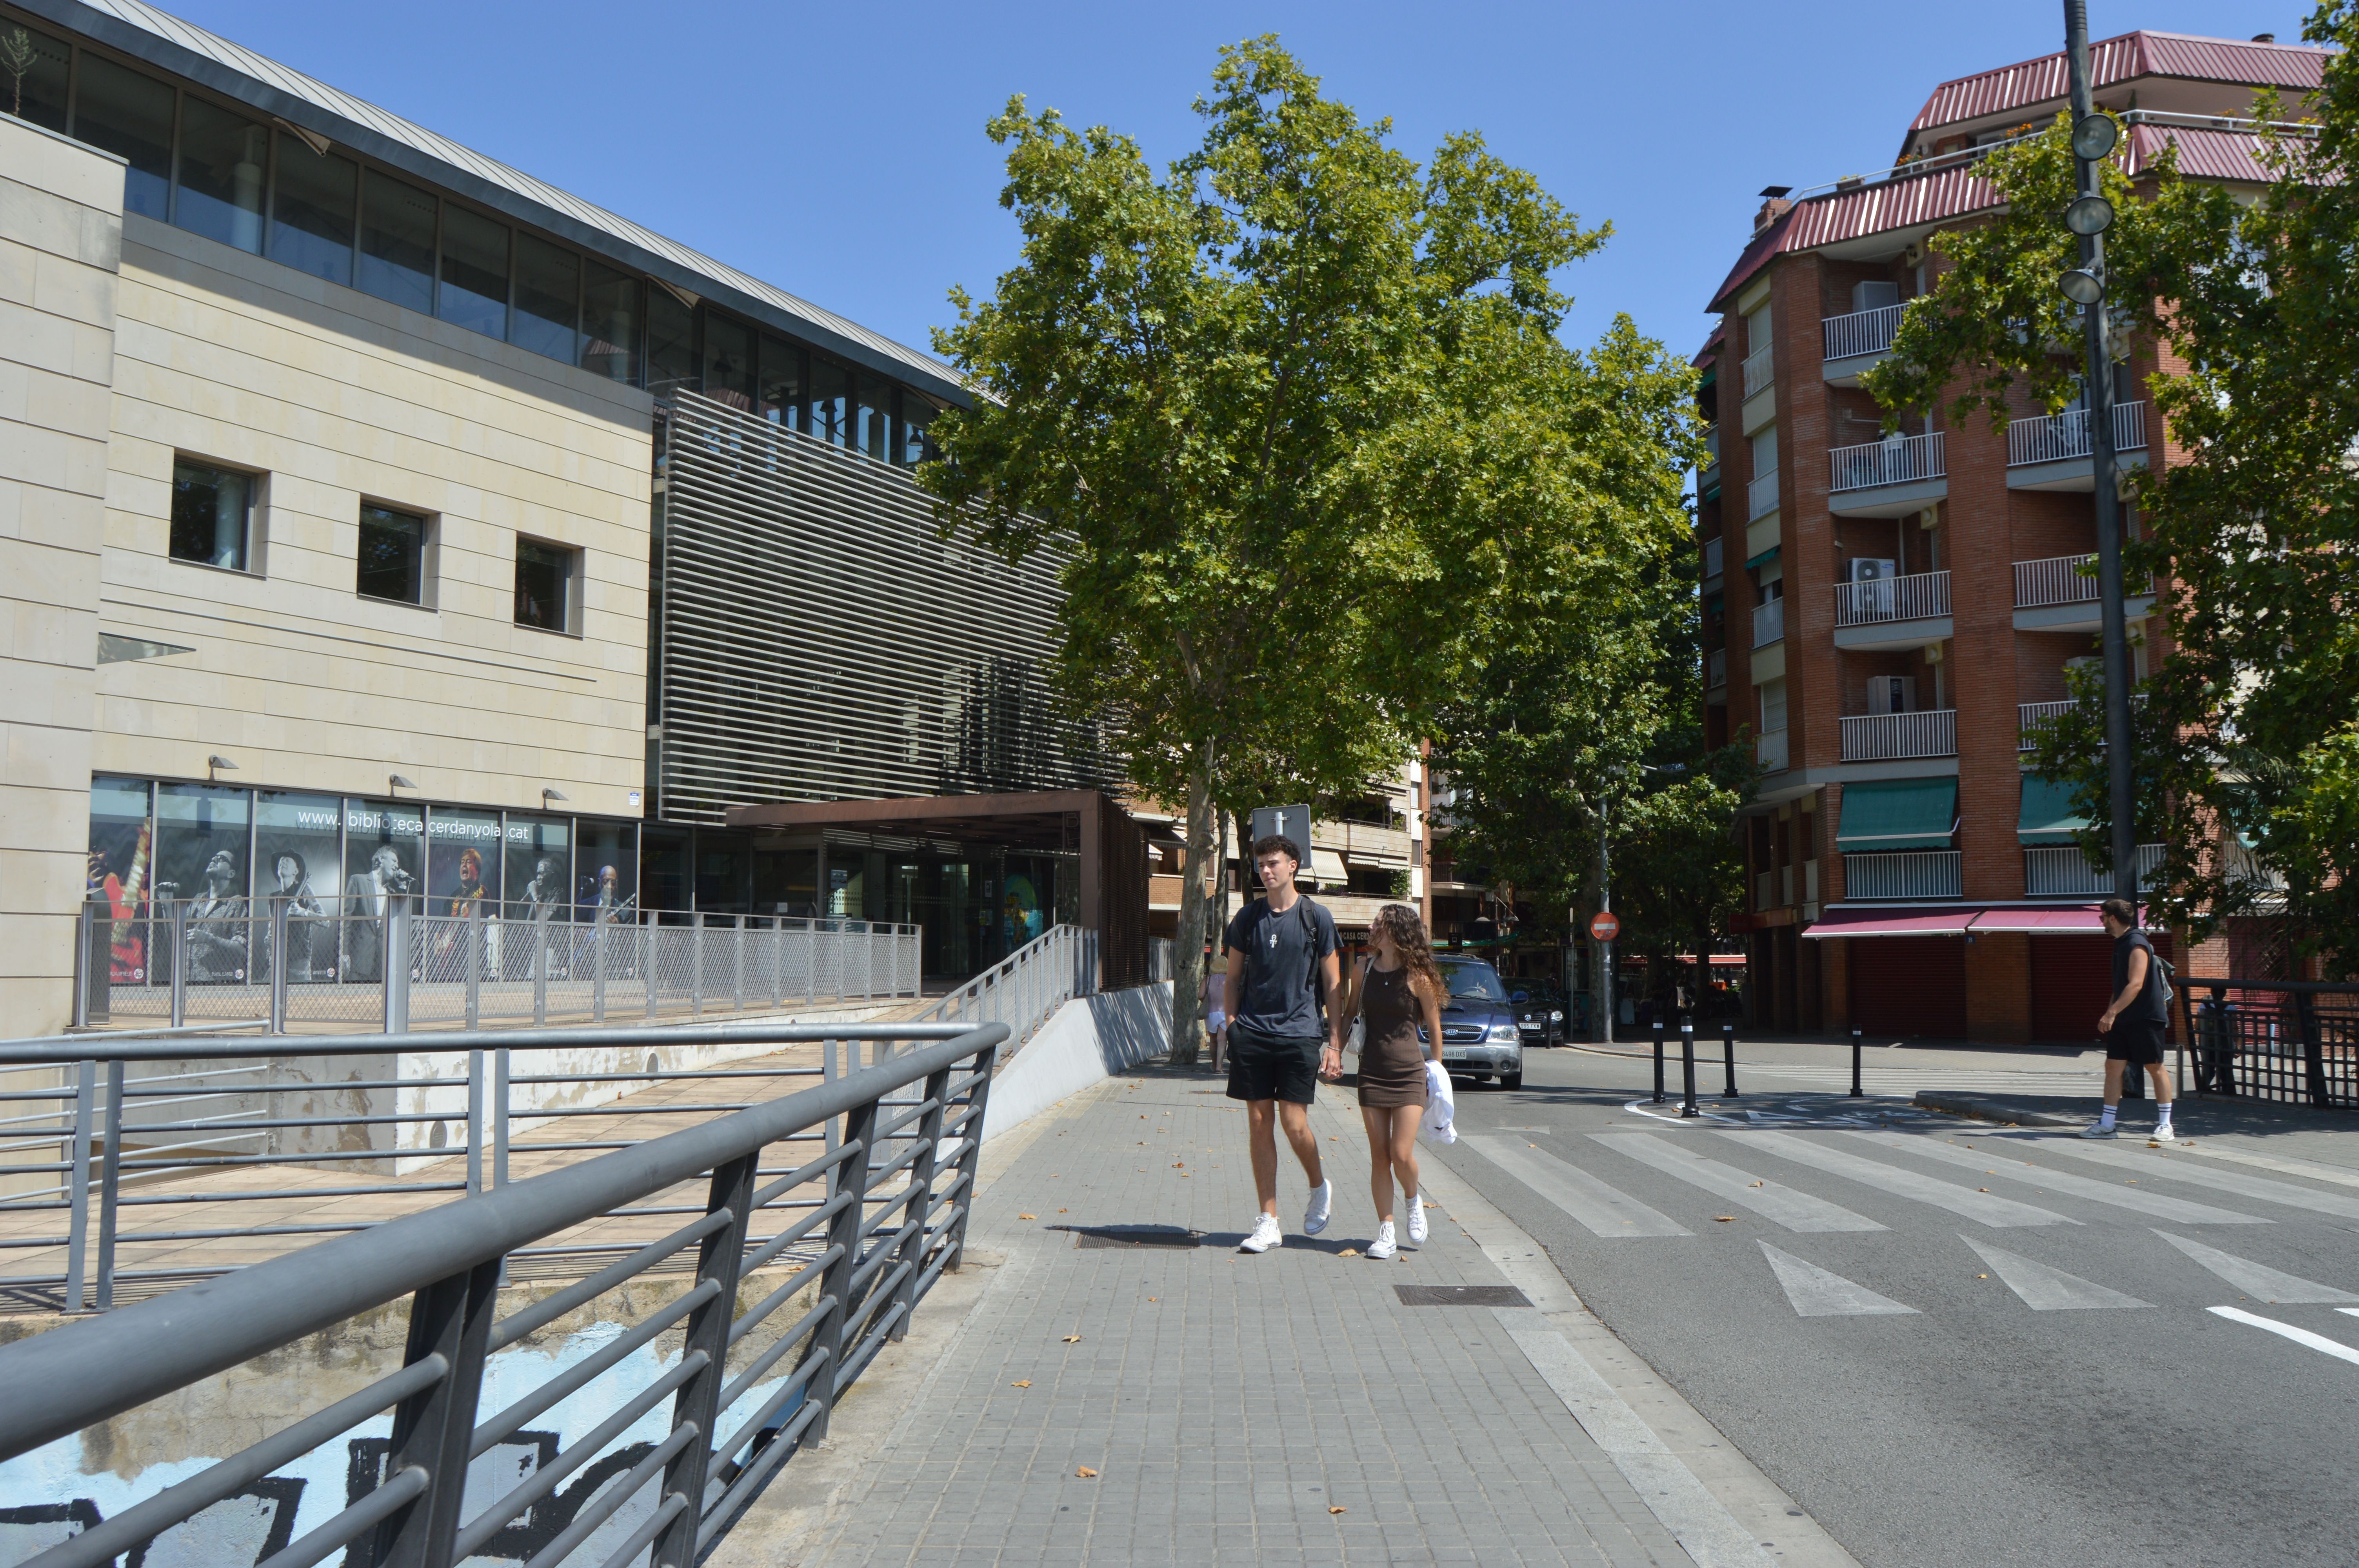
(1920, 595)
(1761, 496)
(2062, 871)
(1716, 669)
(1903, 874)
(1768, 622)
(1759, 370)
(1896, 459)
(1891, 736)
(2055, 581)
(1763, 882)
(1712, 556)
(1785, 884)
(1861, 332)
(1770, 749)
(2029, 716)
(2053, 437)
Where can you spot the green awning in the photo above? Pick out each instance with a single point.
(2048, 816)
(1764, 558)
(1898, 814)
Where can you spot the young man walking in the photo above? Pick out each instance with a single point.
(1282, 958)
(2133, 1024)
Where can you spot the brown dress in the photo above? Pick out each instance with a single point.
(1392, 1059)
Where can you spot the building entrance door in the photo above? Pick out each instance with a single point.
(1907, 986)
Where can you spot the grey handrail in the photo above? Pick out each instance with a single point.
(50, 1050)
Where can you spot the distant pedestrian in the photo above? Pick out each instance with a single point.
(1400, 990)
(2134, 1022)
(1281, 961)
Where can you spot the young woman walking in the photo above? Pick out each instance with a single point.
(1399, 991)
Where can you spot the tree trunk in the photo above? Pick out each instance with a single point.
(1593, 899)
(1188, 977)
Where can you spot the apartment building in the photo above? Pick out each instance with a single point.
(1890, 612)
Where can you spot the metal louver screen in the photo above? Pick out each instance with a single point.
(816, 640)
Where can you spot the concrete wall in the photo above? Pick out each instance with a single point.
(1089, 1040)
(60, 242)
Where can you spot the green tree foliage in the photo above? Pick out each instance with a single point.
(1286, 407)
(2246, 732)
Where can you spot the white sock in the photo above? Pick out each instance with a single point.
(2162, 1117)
(2107, 1120)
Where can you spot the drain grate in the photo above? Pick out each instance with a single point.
(1462, 1295)
(1131, 1234)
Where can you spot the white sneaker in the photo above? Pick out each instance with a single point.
(1382, 1248)
(2098, 1130)
(2163, 1134)
(1314, 1217)
(1265, 1235)
(1417, 1220)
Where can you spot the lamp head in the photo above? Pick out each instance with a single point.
(2081, 286)
(398, 781)
(2095, 136)
(2089, 216)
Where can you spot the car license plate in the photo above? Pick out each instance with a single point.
(1453, 1053)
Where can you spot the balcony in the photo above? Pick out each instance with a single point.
(2052, 595)
(1760, 371)
(2062, 871)
(1894, 612)
(1760, 406)
(1715, 666)
(1857, 341)
(1708, 476)
(1763, 883)
(1761, 496)
(1904, 874)
(1768, 622)
(2029, 716)
(1769, 749)
(1712, 557)
(1894, 737)
(2051, 451)
(1891, 478)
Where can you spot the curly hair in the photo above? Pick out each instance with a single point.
(1401, 923)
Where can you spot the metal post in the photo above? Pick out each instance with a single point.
(540, 972)
(2313, 1048)
(1728, 1051)
(1856, 1093)
(600, 932)
(500, 1116)
(86, 959)
(811, 967)
(2224, 1048)
(397, 964)
(472, 935)
(278, 966)
(696, 960)
(179, 928)
(432, 1430)
(1687, 1066)
(1605, 949)
(737, 968)
(697, 1403)
(647, 959)
(1659, 1096)
(969, 1160)
(110, 1185)
(77, 1217)
(474, 1122)
(850, 1175)
(912, 1251)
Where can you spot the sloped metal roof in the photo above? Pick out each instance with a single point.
(2124, 59)
(185, 49)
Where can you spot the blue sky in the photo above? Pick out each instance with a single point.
(839, 151)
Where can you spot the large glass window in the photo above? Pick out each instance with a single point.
(663, 867)
(605, 870)
(610, 322)
(830, 405)
(314, 201)
(121, 867)
(296, 839)
(547, 302)
(544, 585)
(671, 341)
(131, 116)
(397, 242)
(213, 515)
(463, 883)
(384, 845)
(910, 429)
(874, 434)
(33, 74)
(224, 161)
(392, 554)
(475, 292)
(781, 397)
(728, 362)
(200, 856)
(539, 864)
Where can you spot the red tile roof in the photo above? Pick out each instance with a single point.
(2124, 59)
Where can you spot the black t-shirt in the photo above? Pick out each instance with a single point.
(1280, 993)
(2148, 1008)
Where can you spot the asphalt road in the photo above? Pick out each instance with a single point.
(1951, 1345)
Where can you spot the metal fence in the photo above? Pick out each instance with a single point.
(868, 1203)
(2290, 1041)
(294, 968)
(1025, 989)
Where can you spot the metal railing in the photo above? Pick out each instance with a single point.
(1920, 595)
(1903, 874)
(2056, 580)
(2061, 871)
(868, 1201)
(1896, 459)
(1712, 557)
(292, 966)
(2288, 1041)
(1768, 621)
(1025, 989)
(2030, 715)
(1763, 882)
(1715, 667)
(2053, 437)
(1760, 369)
(1860, 332)
(1761, 496)
(1769, 749)
(1892, 737)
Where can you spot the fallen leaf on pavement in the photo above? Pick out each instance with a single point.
(1155, 1298)
(1335, 1511)
(1982, 1276)
(1723, 1217)
(1178, 1164)
(1061, 1211)
(1025, 1384)
(1349, 1252)
(1982, 1189)
(1072, 1339)
(1027, 1216)
(1085, 1473)
(1756, 1183)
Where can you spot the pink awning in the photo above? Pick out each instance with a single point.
(2072, 920)
(1951, 921)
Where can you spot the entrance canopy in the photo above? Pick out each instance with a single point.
(2048, 816)
(1898, 814)
(1957, 920)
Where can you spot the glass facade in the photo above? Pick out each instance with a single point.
(397, 242)
(314, 207)
(547, 299)
(35, 75)
(475, 291)
(130, 116)
(224, 162)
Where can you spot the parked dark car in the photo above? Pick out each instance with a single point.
(1540, 1012)
(1479, 1037)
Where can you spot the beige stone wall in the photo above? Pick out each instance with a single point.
(60, 236)
(336, 397)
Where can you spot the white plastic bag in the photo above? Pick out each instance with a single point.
(1440, 1109)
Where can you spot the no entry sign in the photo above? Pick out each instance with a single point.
(1605, 927)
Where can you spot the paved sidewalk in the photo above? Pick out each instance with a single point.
(1280, 1409)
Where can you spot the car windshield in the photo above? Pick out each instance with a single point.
(1477, 980)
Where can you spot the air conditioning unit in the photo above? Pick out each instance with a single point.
(1859, 568)
(1891, 694)
(1874, 296)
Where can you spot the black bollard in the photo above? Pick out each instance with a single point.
(1687, 1066)
(1728, 1051)
(1856, 1092)
(1659, 1096)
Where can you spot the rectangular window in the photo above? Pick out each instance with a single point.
(782, 384)
(397, 242)
(609, 323)
(830, 415)
(874, 434)
(671, 341)
(130, 116)
(213, 515)
(548, 304)
(917, 413)
(544, 585)
(475, 292)
(313, 204)
(224, 160)
(392, 556)
(728, 362)
(33, 74)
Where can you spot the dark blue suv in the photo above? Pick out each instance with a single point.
(1480, 1036)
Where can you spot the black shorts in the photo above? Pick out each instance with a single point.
(2134, 1041)
(1263, 1066)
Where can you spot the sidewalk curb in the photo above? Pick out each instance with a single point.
(1991, 1110)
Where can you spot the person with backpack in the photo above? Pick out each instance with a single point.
(1400, 990)
(2133, 1024)
(1282, 959)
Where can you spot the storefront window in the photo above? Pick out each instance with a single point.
(606, 870)
(540, 867)
(384, 845)
(462, 863)
(202, 838)
(295, 838)
(121, 860)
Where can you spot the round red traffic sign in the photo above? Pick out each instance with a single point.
(1605, 927)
